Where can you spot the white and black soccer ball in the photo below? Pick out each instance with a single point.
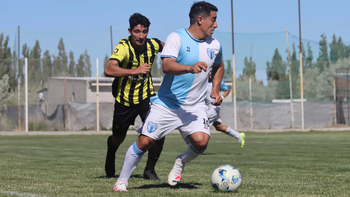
(226, 178)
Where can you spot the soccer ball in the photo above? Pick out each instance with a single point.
(226, 178)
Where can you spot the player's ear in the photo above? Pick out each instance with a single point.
(129, 30)
(200, 20)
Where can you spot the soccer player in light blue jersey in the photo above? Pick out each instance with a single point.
(188, 56)
(214, 113)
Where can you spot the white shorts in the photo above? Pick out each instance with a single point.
(161, 121)
(213, 114)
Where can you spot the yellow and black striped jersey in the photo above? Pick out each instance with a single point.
(132, 90)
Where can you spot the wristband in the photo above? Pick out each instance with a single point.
(222, 97)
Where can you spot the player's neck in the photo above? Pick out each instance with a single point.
(196, 33)
(139, 48)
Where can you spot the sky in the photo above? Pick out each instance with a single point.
(259, 26)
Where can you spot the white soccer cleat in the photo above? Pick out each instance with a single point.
(120, 186)
(175, 174)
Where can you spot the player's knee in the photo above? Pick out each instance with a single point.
(117, 140)
(144, 143)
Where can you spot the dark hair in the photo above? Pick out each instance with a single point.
(201, 8)
(138, 19)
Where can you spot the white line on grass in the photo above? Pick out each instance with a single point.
(258, 142)
(19, 194)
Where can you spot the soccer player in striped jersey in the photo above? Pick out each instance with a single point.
(188, 56)
(132, 88)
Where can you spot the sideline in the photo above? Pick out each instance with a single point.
(19, 194)
(133, 132)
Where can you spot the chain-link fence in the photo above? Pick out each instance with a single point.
(62, 89)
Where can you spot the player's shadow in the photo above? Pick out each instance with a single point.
(165, 185)
(117, 176)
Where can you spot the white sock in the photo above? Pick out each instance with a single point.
(233, 133)
(132, 159)
(190, 154)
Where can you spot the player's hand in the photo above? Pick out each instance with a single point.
(198, 67)
(143, 69)
(217, 97)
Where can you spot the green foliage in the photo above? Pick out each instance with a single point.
(87, 64)
(47, 66)
(249, 68)
(71, 68)
(276, 69)
(323, 58)
(4, 95)
(34, 65)
(80, 67)
(228, 69)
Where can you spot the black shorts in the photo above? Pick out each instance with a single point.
(125, 116)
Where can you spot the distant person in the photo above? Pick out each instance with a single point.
(188, 56)
(132, 88)
(214, 113)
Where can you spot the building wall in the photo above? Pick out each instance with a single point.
(75, 91)
(104, 96)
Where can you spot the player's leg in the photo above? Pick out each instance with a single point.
(158, 124)
(132, 158)
(196, 119)
(231, 132)
(154, 151)
(198, 144)
(153, 156)
(122, 118)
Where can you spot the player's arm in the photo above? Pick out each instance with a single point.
(113, 70)
(226, 93)
(170, 66)
(217, 78)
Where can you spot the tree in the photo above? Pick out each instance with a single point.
(6, 63)
(309, 58)
(228, 70)
(337, 49)
(294, 64)
(47, 66)
(87, 64)
(80, 67)
(276, 70)
(71, 68)
(60, 63)
(5, 55)
(323, 60)
(34, 67)
(4, 94)
(250, 68)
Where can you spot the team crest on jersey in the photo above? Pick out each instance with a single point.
(210, 53)
(151, 126)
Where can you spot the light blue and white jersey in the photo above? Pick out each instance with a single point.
(187, 89)
(210, 100)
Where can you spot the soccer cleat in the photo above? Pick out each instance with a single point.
(120, 186)
(110, 158)
(241, 139)
(175, 174)
(151, 175)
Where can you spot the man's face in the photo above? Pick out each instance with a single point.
(138, 35)
(209, 24)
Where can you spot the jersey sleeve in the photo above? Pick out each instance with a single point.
(119, 53)
(218, 58)
(159, 44)
(172, 46)
(223, 87)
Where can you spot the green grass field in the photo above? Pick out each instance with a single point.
(272, 164)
